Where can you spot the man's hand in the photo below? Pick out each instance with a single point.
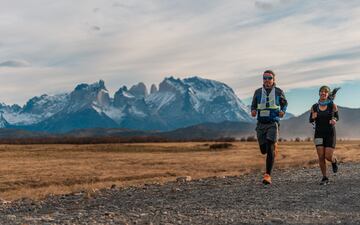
(253, 113)
(332, 122)
(281, 114)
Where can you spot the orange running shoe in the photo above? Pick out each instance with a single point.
(267, 179)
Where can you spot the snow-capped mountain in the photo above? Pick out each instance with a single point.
(3, 122)
(195, 100)
(35, 110)
(85, 109)
(176, 103)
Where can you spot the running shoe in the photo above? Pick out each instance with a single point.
(324, 181)
(267, 179)
(335, 166)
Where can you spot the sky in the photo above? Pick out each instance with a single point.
(51, 46)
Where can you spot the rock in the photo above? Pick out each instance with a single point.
(109, 214)
(3, 201)
(175, 189)
(183, 179)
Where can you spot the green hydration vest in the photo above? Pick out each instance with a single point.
(268, 107)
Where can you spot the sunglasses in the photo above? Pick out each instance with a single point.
(267, 78)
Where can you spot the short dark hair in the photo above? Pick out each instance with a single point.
(270, 71)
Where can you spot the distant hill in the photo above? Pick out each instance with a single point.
(347, 127)
(212, 131)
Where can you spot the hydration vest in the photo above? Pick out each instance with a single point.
(268, 107)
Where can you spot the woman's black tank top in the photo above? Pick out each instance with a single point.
(322, 122)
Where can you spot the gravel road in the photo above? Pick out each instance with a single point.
(294, 198)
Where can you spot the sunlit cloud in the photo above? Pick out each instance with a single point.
(124, 42)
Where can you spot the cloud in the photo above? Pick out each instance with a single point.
(15, 63)
(231, 41)
(271, 4)
(96, 28)
(264, 5)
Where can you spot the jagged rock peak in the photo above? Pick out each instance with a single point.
(95, 86)
(170, 84)
(123, 88)
(153, 89)
(139, 90)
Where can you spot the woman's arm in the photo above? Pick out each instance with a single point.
(311, 117)
(313, 113)
(336, 112)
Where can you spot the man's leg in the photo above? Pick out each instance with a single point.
(270, 157)
(263, 148)
(271, 139)
(261, 136)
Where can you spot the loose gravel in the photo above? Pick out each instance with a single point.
(295, 197)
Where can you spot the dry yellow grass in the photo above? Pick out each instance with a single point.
(35, 171)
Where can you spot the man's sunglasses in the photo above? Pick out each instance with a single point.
(267, 78)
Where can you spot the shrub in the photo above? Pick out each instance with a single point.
(220, 145)
(251, 138)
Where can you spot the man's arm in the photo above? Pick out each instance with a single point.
(283, 102)
(254, 105)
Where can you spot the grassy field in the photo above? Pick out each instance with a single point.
(35, 171)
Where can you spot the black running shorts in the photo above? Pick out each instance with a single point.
(328, 141)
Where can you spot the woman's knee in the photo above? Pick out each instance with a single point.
(328, 157)
(321, 157)
(329, 154)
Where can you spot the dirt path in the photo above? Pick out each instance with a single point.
(294, 198)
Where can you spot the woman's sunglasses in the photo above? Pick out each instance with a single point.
(267, 78)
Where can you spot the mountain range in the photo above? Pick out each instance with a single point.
(191, 108)
(175, 103)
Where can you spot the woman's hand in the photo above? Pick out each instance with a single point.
(314, 115)
(332, 122)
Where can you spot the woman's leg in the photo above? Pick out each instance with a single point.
(322, 163)
(329, 154)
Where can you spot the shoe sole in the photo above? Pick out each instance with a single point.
(266, 182)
